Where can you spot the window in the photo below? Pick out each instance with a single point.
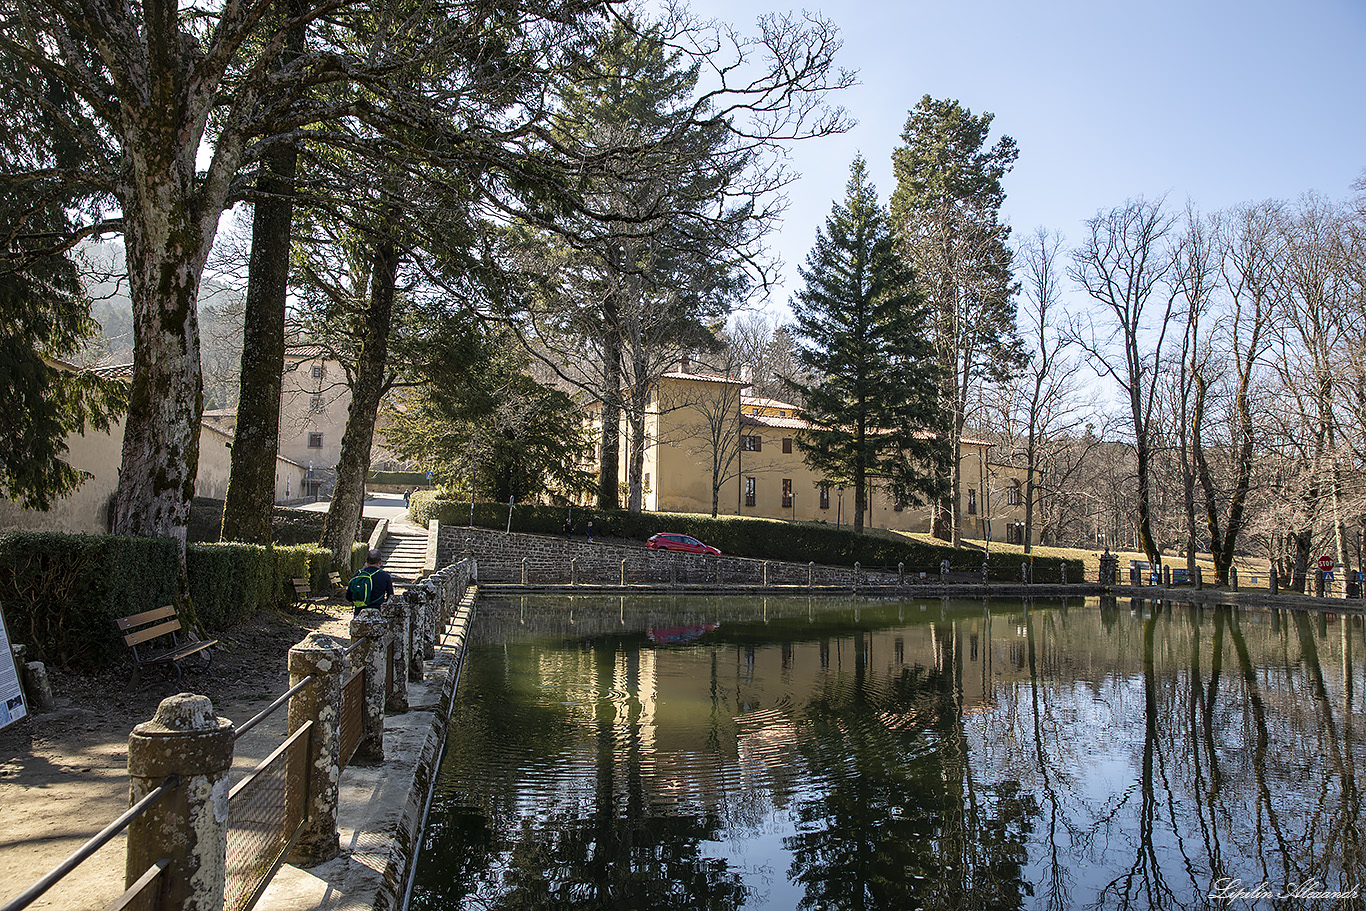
(752, 444)
(315, 441)
(787, 444)
(317, 371)
(1013, 494)
(749, 491)
(825, 496)
(315, 403)
(972, 501)
(787, 493)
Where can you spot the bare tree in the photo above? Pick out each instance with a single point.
(1125, 264)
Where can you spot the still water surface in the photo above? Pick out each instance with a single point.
(725, 753)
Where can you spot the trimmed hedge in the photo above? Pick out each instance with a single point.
(61, 593)
(398, 478)
(771, 539)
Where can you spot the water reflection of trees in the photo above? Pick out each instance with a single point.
(1126, 757)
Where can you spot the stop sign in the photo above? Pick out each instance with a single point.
(1326, 563)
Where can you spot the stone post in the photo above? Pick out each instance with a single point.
(414, 600)
(1166, 576)
(901, 574)
(1233, 577)
(431, 629)
(856, 576)
(574, 571)
(1062, 571)
(324, 658)
(1274, 581)
(623, 573)
(524, 570)
(189, 824)
(370, 634)
(810, 573)
(1199, 577)
(765, 574)
(395, 615)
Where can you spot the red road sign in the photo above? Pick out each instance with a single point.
(1326, 563)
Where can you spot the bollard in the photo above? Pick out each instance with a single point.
(189, 824)
(901, 574)
(524, 570)
(396, 618)
(1274, 581)
(370, 635)
(38, 688)
(1062, 572)
(810, 573)
(321, 656)
(1199, 577)
(623, 573)
(856, 576)
(943, 571)
(574, 571)
(1233, 577)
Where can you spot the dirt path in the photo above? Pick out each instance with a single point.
(63, 775)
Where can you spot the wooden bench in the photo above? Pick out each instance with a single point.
(140, 630)
(335, 578)
(303, 592)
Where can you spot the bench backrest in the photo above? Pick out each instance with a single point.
(148, 625)
(301, 586)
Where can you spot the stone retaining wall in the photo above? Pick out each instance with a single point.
(553, 559)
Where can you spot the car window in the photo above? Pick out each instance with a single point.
(688, 540)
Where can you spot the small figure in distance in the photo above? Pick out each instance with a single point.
(568, 527)
(407, 495)
(590, 532)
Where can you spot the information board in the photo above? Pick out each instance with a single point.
(12, 706)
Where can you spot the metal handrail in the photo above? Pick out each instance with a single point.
(265, 713)
(35, 891)
(355, 645)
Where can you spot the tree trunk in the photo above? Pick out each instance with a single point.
(251, 483)
(256, 443)
(635, 469)
(348, 497)
(166, 251)
(610, 466)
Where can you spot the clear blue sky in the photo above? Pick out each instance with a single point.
(1211, 100)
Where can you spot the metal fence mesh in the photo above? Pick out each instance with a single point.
(265, 814)
(352, 716)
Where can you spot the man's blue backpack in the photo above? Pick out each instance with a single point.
(358, 589)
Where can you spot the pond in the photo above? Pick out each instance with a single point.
(726, 753)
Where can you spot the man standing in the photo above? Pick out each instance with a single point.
(372, 586)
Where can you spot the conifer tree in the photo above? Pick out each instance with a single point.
(862, 337)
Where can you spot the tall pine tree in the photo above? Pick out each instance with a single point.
(946, 212)
(861, 335)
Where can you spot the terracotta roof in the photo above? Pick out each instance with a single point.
(305, 352)
(703, 377)
(114, 371)
(764, 420)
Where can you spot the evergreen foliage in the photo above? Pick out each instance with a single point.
(946, 212)
(862, 336)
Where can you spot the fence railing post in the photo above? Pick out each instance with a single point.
(811, 574)
(414, 600)
(371, 635)
(189, 824)
(323, 658)
(395, 614)
(524, 570)
(573, 570)
(856, 576)
(623, 573)
(901, 574)
(765, 574)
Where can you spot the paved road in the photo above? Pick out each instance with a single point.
(378, 506)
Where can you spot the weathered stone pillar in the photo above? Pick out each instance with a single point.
(324, 658)
(1274, 581)
(370, 633)
(1233, 577)
(856, 575)
(395, 614)
(1166, 576)
(1200, 577)
(414, 600)
(189, 824)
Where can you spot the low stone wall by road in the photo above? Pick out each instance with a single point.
(552, 559)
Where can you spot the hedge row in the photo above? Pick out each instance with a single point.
(61, 593)
(399, 478)
(745, 537)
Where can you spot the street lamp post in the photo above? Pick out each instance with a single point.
(793, 500)
(839, 510)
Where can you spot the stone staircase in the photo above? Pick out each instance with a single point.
(403, 553)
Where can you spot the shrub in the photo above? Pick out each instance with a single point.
(61, 593)
(288, 526)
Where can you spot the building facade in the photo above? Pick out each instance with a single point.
(705, 438)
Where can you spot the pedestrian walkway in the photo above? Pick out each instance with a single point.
(404, 553)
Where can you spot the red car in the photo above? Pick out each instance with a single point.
(684, 543)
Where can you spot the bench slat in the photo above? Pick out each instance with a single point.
(160, 613)
(143, 635)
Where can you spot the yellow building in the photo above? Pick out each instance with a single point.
(704, 432)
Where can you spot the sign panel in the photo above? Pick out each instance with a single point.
(12, 706)
(1326, 563)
